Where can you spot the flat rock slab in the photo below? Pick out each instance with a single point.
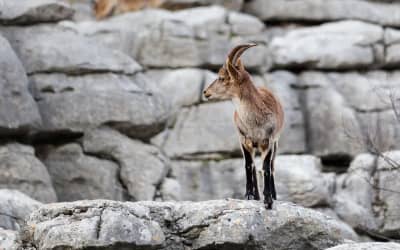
(367, 246)
(220, 224)
(33, 11)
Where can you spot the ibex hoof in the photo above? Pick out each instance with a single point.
(268, 203)
(250, 197)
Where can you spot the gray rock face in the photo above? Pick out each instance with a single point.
(367, 246)
(53, 49)
(33, 11)
(21, 170)
(142, 167)
(299, 179)
(221, 224)
(367, 197)
(9, 240)
(339, 45)
(229, 4)
(15, 207)
(78, 177)
(75, 103)
(379, 12)
(202, 129)
(18, 111)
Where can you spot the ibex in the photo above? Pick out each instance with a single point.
(258, 117)
(105, 8)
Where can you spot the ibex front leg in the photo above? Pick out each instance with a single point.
(251, 183)
(269, 188)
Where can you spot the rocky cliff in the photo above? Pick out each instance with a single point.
(113, 110)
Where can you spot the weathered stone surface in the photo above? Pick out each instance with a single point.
(210, 180)
(379, 12)
(229, 4)
(182, 87)
(196, 37)
(332, 125)
(42, 85)
(213, 224)
(142, 167)
(171, 190)
(367, 246)
(21, 170)
(9, 240)
(353, 200)
(299, 179)
(33, 11)
(136, 114)
(202, 129)
(339, 45)
(388, 193)
(77, 176)
(18, 111)
(15, 207)
(54, 49)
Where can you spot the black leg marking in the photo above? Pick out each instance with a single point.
(255, 184)
(249, 180)
(272, 171)
(267, 180)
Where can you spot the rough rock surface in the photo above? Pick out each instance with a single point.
(203, 225)
(9, 240)
(18, 111)
(33, 11)
(141, 167)
(367, 197)
(380, 12)
(367, 246)
(15, 207)
(86, 177)
(21, 170)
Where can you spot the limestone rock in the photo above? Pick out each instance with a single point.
(367, 246)
(221, 224)
(15, 207)
(9, 240)
(142, 167)
(77, 176)
(338, 45)
(33, 11)
(21, 170)
(18, 111)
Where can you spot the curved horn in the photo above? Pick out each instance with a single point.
(241, 49)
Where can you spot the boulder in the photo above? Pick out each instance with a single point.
(33, 11)
(299, 180)
(178, 4)
(15, 207)
(21, 170)
(168, 225)
(203, 129)
(9, 240)
(142, 167)
(379, 12)
(53, 49)
(367, 196)
(18, 111)
(171, 190)
(338, 45)
(367, 246)
(77, 176)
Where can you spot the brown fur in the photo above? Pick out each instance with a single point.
(105, 8)
(259, 115)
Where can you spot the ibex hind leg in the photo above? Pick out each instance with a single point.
(275, 147)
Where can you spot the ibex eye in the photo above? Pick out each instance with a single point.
(221, 79)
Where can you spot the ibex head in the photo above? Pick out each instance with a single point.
(230, 76)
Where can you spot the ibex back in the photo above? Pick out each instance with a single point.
(258, 117)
